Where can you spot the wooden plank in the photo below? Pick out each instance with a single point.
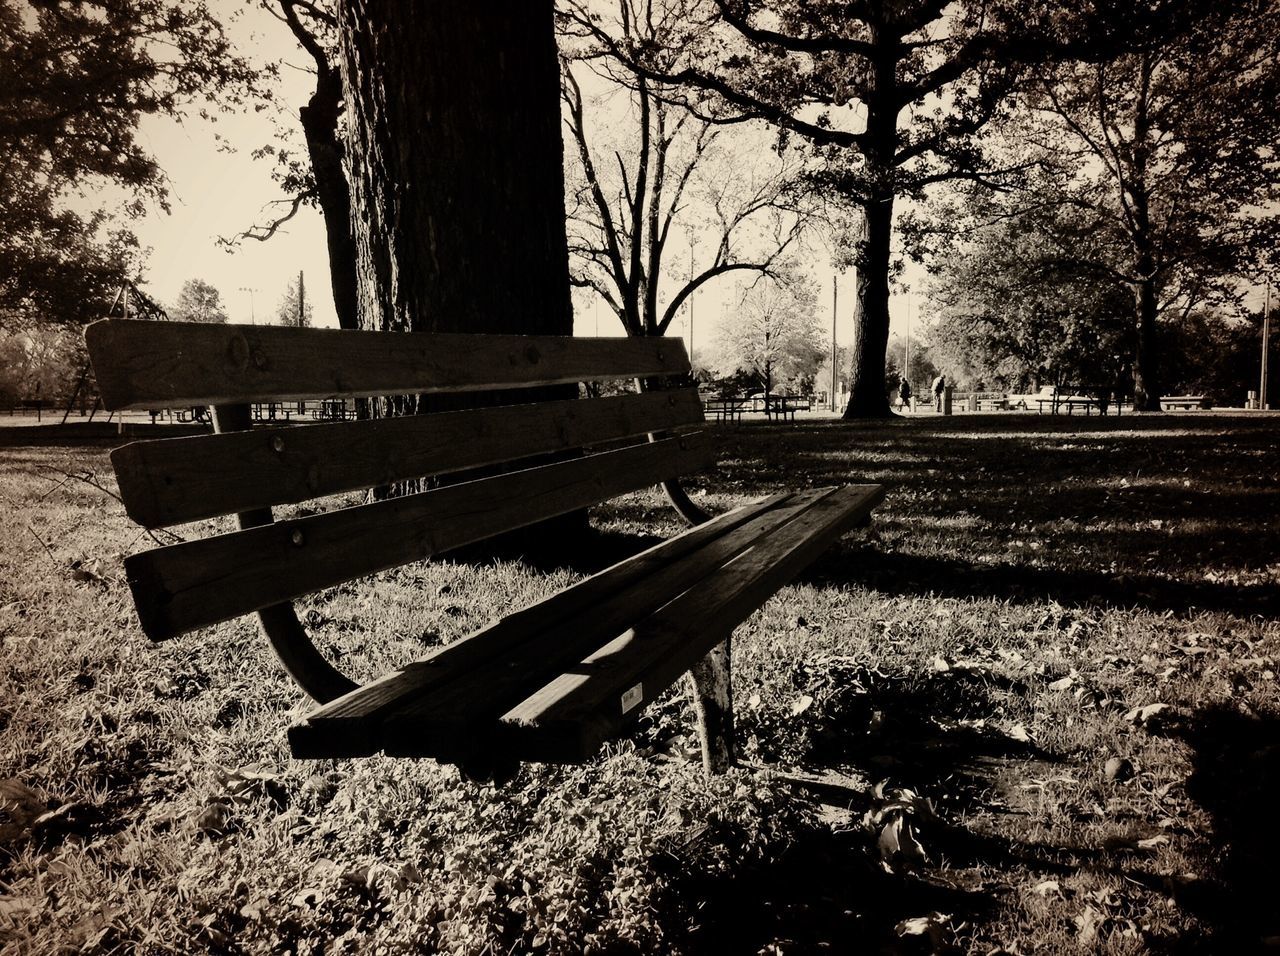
(184, 586)
(172, 480)
(434, 724)
(168, 364)
(348, 727)
(571, 716)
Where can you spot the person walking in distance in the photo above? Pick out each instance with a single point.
(939, 386)
(904, 394)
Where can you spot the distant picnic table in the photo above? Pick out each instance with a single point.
(1185, 402)
(1071, 403)
(733, 407)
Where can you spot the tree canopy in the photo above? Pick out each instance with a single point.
(75, 81)
(198, 302)
(891, 97)
(773, 336)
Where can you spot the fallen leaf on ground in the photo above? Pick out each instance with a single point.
(934, 927)
(1140, 715)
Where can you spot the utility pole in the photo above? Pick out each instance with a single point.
(1266, 349)
(691, 298)
(835, 310)
(906, 350)
(302, 302)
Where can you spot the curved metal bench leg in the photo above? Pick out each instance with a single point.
(319, 679)
(712, 685)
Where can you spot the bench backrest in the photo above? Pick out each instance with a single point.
(180, 587)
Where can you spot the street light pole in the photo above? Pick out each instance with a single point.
(835, 310)
(1266, 349)
(691, 297)
(251, 290)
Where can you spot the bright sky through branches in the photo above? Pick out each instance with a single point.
(217, 189)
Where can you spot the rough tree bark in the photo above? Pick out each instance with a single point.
(457, 188)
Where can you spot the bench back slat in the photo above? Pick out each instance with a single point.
(185, 586)
(142, 364)
(172, 480)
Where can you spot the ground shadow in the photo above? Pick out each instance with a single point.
(1236, 778)
(901, 573)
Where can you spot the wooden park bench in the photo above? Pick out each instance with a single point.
(547, 682)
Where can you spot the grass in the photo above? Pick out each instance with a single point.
(1034, 710)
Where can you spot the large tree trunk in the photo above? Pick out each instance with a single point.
(868, 398)
(1146, 380)
(457, 189)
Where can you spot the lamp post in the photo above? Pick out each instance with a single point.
(835, 310)
(251, 290)
(691, 297)
(1266, 349)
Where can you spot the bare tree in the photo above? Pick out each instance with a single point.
(321, 180)
(659, 171)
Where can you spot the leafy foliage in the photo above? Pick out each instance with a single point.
(75, 81)
(774, 337)
(199, 302)
(295, 307)
(1154, 177)
(1021, 304)
(40, 362)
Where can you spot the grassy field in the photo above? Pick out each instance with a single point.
(1034, 710)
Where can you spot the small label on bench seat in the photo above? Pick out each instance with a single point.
(632, 698)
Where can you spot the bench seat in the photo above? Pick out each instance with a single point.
(554, 681)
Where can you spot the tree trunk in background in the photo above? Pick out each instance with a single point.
(320, 127)
(457, 186)
(868, 398)
(1146, 382)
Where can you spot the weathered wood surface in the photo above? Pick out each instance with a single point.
(569, 718)
(453, 704)
(173, 480)
(455, 712)
(350, 726)
(189, 585)
(163, 364)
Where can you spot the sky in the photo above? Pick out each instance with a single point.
(215, 192)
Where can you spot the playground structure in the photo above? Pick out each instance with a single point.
(129, 302)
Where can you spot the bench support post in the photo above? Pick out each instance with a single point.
(711, 684)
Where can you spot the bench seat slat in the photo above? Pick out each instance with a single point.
(448, 712)
(439, 721)
(141, 364)
(185, 586)
(172, 480)
(348, 726)
(569, 718)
